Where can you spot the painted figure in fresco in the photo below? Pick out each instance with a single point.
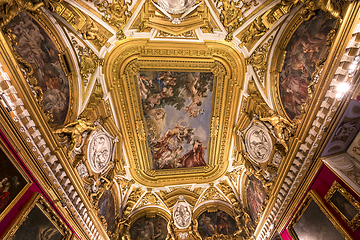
(195, 157)
(305, 48)
(164, 156)
(256, 196)
(149, 228)
(221, 223)
(194, 107)
(213, 224)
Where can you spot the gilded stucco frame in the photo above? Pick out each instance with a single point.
(14, 162)
(121, 67)
(37, 200)
(313, 196)
(336, 187)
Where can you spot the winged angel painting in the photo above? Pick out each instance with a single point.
(177, 109)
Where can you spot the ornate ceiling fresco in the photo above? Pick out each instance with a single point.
(188, 119)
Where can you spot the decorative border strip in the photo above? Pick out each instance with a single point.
(49, 162)
(306, 151)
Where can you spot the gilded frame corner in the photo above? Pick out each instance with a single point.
(353, 223)
(313, 196)
(37, 200)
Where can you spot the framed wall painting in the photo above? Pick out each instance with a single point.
(37, 220)
(344, 204)
(312, 218)
(13, 181)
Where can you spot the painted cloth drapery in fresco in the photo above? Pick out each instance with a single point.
(36, 47)
(256, 196)
(305, 48)
(177, 109)
(106, 207)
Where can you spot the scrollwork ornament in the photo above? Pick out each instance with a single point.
(232, 14)
(116, 13)
(89, 61)
(258, 59)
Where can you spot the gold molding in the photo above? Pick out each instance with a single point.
(336, 187)
(125, 61)
(14, 162)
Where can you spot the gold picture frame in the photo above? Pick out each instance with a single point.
(12, 172)
(349, 209)
(38, 208)
(323, 223)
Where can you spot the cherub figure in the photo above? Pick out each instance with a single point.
(91, 32)
(14, 7)
(283, 128)
(75, 130)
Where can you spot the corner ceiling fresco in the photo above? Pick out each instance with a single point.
(144, 117)
(304, 53)
(43, 68)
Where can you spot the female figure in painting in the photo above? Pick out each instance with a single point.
(195, 157)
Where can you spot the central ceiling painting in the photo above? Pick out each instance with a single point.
(177, 111)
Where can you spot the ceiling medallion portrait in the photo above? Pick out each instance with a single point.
(258, 142)
(182, 213)
(100, 151)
